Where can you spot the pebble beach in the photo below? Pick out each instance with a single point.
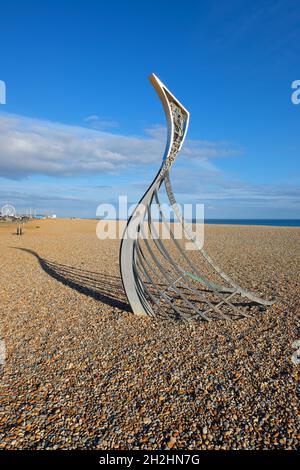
(82, 372)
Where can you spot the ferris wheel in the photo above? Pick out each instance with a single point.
(8, 210)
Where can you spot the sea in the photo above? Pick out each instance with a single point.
(265, 222)
(262, 222)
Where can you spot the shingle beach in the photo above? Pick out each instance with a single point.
(83, 372)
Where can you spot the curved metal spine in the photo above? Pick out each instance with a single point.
(136, 300)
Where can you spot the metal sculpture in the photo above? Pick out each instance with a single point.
(159, 278)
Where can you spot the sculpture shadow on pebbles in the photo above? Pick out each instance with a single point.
(98, 285)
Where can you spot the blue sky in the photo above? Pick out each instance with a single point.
(82, 124)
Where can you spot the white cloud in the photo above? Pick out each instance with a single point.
(215, 187)
(30, 148)
(35, 147)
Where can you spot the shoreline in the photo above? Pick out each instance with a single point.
(284, 223)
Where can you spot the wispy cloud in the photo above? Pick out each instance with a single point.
(100, 123)
(223, 195)
(34, 147)
(72, 156)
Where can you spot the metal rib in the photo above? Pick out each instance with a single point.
(182, 272)
(240, 290)
(169, 279)
(142, 257)
(214, 287)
